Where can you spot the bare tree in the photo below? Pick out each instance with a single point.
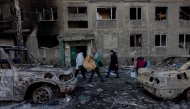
(18, 23)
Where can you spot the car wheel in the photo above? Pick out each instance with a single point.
(187, 94)
(42, 94)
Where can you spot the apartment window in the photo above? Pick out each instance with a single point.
(184, 40)
(135, 13)
(161, 13)
(47, 14)
(13, 12)
(22, 15)
(47, 41)
(1, 15)
(184, 13)
(106, 13)
(160, 40)
(77, 24)
(135, 40)
(77, 10)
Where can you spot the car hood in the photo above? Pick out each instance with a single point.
(45, 69)
(156, 73)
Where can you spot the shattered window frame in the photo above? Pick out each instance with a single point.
(13, 12)
(1, 15)
(135, 40)
(47, 41)
(184, 39)
(42, 14)
(4, 59)
(184, 14)
(138, 13)
(77, 11)
(157, 14)
(162, 40)
(78, 24)
(112, 13)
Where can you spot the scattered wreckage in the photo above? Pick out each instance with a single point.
(22, 76)
(167, 79)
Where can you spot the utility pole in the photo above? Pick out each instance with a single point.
(18, 23)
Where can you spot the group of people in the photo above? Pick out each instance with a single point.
(96, 58)
(138, 63)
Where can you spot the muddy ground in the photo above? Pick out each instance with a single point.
(112, 94)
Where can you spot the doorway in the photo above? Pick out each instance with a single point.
(73, 49)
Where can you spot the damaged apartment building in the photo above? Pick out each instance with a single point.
(54, 29)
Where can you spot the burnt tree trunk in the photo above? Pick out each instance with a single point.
(19, 29)
(18, 23)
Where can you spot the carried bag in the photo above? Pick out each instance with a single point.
(89, 63)
(99, 61)
(100, 64)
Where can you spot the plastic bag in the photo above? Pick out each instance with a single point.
(133, 74)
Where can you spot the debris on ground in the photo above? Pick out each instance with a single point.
(112, 94)
(99, 90)
(68, 98)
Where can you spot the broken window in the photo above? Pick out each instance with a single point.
(1, 15)
(13, 12)
(77, 10)
(47, 14)
(135, 13)
(72, 10)
(184, 13)
(22, 15)
(160, 40)
(161, 13)
(77, 24)
(47, 41)
(4, 64)
(184, 40)
(82, 10)
(106, 13)
(135, 40)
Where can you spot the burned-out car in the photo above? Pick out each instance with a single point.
(22, 76)
(167, 79)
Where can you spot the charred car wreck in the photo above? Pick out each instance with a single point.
(168, 79)
(22, 76)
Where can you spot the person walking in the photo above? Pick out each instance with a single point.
(96, 57)
(113, 64)
(79, 63)
(139, 62)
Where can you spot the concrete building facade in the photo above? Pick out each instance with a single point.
(154, 29)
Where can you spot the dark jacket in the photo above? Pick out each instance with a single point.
(113, 62)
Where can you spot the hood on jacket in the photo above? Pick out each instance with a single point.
(80, 53)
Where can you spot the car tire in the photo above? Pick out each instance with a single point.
(42, 94)
(186, 94)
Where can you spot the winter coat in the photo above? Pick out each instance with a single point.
(79, 60)
(114, 61)
(96, 57)
(140, 62)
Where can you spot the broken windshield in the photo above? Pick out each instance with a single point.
(20, 57)
(174, 62)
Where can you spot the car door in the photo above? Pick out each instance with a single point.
(6, 77)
